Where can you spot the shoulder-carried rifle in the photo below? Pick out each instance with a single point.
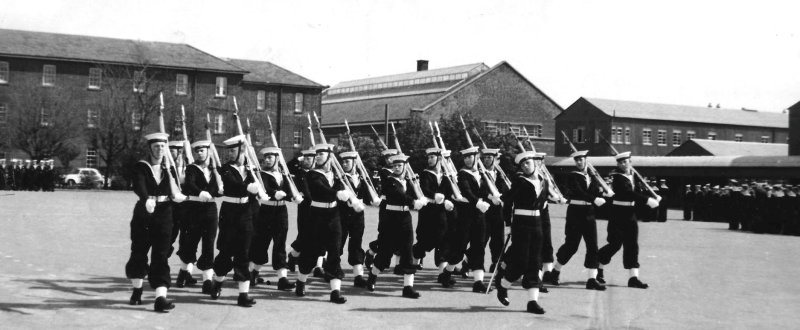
(338, 172)
(373, 194)
(252, 166)
(449, 169)
(489, 182)
(175, 188)
(214, 163)
(547, 175)
(408, 171)
(284, 169)
(592, 171)
(497, 167)
(635, 172)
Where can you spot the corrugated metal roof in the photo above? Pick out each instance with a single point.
(413, 75)
(108, 50)
(730, 148)
(685, 113)
(687, 161)
(269, 73)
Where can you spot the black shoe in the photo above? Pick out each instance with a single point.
(359, 282)
(446, 279)
(291, 261)
(546, 276)
(181, 280)
(543, 289)
(163, 305)
(254, 278)
(600, 278)
(299, 288)
(409, 292)
(319, 273)
(336, 297)
(634, 282)
(245, 300)
(502, 293)
(207, 286)
(216, 290)
(478, 287)
(533, 307)
(398, 270)
(592, 284)
(284, 284)
(554, 277)
(371, 279)
(368, 260)
(190, 281)
(136, 297)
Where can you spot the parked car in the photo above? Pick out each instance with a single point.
(76, 178)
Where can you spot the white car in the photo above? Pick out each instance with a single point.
(77, 176)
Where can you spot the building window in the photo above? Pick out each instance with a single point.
(3, 72)
(219, 124)
(49, 75)
(138, 81)
(136, 120)
(181, 84)
(490, 128)
(298, 102)
(596, 135)
(514, 129)
(3, 114)
(577, 134)
(647, 136)
(91, 157)
(676, 138)
(272, 101)
(738, 137)
(616, 134)
(259, 136)
(537, 131)
(222, 87)
(91, 118)
(627, 135)
(712, 135)
(690, 135)
(662, 137)
(298, 138)
(261, 100)
(765, 139)
(95, 78)
(44, 118)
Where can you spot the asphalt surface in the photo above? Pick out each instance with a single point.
(63, 256)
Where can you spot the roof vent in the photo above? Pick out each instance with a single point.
(422, 65)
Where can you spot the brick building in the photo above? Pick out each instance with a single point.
(794, 130)
(502, 98)
(651, 129)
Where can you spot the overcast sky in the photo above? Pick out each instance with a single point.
(735, 53)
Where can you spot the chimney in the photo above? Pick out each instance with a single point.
(422, 65)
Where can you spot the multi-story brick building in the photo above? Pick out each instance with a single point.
(651, 129)
(499, 96)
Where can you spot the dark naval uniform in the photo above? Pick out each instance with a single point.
(495, 224)
(201, 218)
(471, 226)
(432, 218)
(325, 225)
(235, 224)
(353, 222)
(582, 190)
(395, 230)
(623, 229)
(303, 220)
(272, 223)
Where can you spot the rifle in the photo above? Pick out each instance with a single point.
(635, 172)
(187, 147)
(338, 172)
(497, 167)
(490, 183)
(250, 155)
(213, 156)
(284, 169)
(380, 140)
(373, 194)
(409, 172)
(310, 130)
(450, 172)
(175, 188)
(547, 175)
(592, 171)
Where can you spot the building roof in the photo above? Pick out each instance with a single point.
(686, 161)
(701, 147)
(685, 113)
(264, 72)
(81, 48)
(373, 110)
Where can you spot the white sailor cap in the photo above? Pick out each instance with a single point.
(623, 155)
(175, 144)
(327, 147)
(579, 153)
(270, 151)
(235, 141)
(521, 157)
(156, 137)
(469, 151)
(445, 153)
(201, 144)
(399, 158)
(433, 151)
(389, 152)
(308, 152)
(490, 152)
(348, 155)
(540, 155)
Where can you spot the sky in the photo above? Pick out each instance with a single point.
(733, 53)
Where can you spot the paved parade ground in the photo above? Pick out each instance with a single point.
(63, 256)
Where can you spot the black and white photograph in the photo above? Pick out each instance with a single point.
(399, 164)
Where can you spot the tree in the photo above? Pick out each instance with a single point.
(44, 120)
(67, 154)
